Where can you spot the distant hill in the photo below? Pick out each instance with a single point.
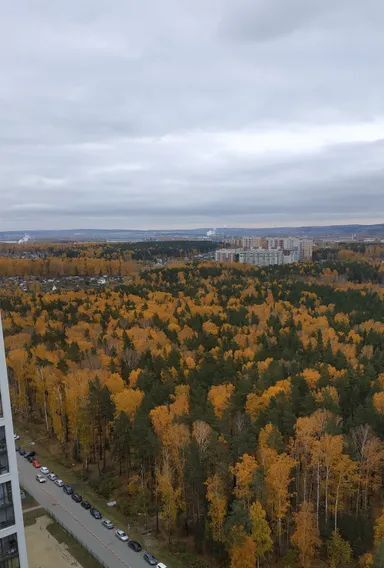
(330, 231)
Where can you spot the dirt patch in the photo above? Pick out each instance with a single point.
(44, 551)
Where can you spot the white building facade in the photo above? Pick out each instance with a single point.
(261, 257)
(267, 251)
(13, 553)
(227, 255)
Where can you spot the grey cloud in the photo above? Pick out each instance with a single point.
(268, 19)
(173, 113)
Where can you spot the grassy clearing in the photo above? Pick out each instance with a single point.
(28, 502)
(31, 516)
(78, 552)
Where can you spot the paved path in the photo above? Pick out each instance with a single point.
(100, 541)
(32, 509)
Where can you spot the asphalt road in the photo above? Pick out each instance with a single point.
(100, 541)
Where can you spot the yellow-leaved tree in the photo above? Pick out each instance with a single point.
(242, 551)
(217, 506)
(260, 530)
(244, 472)
(306, 535)
(219, 396)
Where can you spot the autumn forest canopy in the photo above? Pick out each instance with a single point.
(239, 410)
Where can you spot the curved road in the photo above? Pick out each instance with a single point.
(100, 541)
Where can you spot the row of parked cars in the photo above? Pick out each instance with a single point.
(42, 477)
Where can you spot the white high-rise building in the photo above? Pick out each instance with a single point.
(251, 242)
(227, 255)
(268, 251)
(306, 249)
(13, 553)
(261, 257)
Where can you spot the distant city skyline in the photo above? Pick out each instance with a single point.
(228, 234)
(247, 113)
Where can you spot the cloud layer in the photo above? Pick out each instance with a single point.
(169, 114)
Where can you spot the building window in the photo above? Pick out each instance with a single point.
(9, 552)
(7, 514)
(4, 468)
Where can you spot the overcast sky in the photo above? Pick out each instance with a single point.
(170, 114)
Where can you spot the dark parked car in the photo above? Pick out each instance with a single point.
(86, 505)
(136, 546)
(22, 452)
(30, 459)
(17, 448)
(28, 455)
(67, 489)
(77, 498)
(95, 513)
(148, 557)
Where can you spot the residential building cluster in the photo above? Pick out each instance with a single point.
(266, 251)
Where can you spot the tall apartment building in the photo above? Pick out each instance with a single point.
(261, 257)
(227, 255)
(267, 251)
(257, 257)
(13, 553)
(306, 249)
(252, 242)
(301, 247)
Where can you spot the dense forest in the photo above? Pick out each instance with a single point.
(237, 409)
(93, 259)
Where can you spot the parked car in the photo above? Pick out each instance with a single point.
(22, 452)
(121, 535)
(59, 482)
(29, 455)
(86, 505)
(107, 524)
(68, 489)
(161, 565)
(44, 470)
(35, 462)
(136, 546)
(148, 557)
(17, 448)
(95, 513)
(16, 436)
(52, 476)
(29, 458)
(40, 478)
(76, 497)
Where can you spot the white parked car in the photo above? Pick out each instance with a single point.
(44, 470)
(161, 565)
(16, 436)
(121, 535)
(40, 478)
(59, 482)
(52, 476)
